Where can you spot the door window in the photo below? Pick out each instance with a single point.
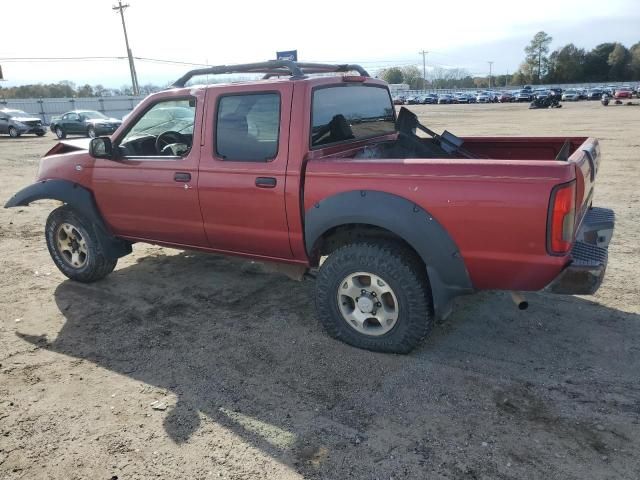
(247, 127)
(165, 129)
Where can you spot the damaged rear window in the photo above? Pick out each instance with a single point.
(346, 113)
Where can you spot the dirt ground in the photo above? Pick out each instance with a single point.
(248, 386)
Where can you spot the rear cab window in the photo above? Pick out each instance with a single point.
(346, 113)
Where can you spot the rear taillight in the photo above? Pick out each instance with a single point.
(562, 215)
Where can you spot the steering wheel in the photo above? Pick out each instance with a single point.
(167, 138)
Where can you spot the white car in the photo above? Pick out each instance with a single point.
(571, 96)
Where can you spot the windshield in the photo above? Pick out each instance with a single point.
(90, 114)
(177, 116)
(350, 112)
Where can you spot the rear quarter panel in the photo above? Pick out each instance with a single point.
(495, 210)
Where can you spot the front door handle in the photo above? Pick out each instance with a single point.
(265, 182)
(182, 177)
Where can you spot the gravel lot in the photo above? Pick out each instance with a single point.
(247, 385)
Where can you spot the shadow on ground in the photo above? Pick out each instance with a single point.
(493, 393)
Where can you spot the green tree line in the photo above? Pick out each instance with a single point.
(66, 89)
(607, 62)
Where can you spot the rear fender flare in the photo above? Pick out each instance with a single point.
(81, 199)
(446, 269)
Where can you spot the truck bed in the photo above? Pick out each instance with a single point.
(495, 208)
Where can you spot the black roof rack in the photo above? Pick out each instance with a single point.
(272, 68)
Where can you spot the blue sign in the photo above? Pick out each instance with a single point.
(291, 55)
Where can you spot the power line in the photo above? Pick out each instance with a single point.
(134, 77)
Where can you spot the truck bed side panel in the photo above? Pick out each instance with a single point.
(495, 211)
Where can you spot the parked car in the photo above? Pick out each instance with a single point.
(430, 98)
(542, 93)
(571, 95)
(445, 98)
(16, 123)
(557, 93)
(399, 100)
(413, 100)
(622, 92)
(594, 94)
(393, 227)
(484, 97)
(84, 122)
(505, 97)
(523, 96)
(461, 97)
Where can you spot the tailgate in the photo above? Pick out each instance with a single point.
(586, 159)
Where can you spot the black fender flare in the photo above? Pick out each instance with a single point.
(446, 269)
(82, 200)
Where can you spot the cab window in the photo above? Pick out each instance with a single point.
(247, 127)
(165, 129)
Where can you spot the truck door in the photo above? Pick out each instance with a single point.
(150, 191)
(242, 169)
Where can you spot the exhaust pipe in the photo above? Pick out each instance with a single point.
(519, 300)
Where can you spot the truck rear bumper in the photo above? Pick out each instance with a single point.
(589, 255)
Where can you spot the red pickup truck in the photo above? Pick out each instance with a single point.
(320, 174)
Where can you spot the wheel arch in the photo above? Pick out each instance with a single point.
(375, 212)
(82, 200)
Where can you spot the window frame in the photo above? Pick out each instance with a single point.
(216, 154)
(353, 140)
(133, 121)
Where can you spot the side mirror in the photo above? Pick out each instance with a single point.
(101, 147)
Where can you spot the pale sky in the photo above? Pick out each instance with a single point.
(464, 34)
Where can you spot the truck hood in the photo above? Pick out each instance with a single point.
(66, 146)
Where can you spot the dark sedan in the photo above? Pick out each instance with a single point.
(84, 122)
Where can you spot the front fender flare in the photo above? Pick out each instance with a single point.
(447, 272)
(81, 199)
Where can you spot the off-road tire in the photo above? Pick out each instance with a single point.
(13, 132)
(96, 265)
(404, 272)
(60, 133)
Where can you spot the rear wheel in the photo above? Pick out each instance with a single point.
(91, 132)
(75, 247)
(13, 132)
(60, 133)
(375, 296)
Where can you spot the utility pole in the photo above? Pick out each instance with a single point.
(424, 65)
(490, 68)
(132, 67)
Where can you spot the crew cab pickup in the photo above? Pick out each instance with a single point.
(320, 175)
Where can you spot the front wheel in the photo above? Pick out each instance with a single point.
(75, 248)
(60, 133)
(375, 296)
(91, 132)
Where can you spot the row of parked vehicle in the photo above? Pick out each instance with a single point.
(526, 94)
(76, 122)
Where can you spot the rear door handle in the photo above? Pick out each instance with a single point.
(182, 177)
(265, 182)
